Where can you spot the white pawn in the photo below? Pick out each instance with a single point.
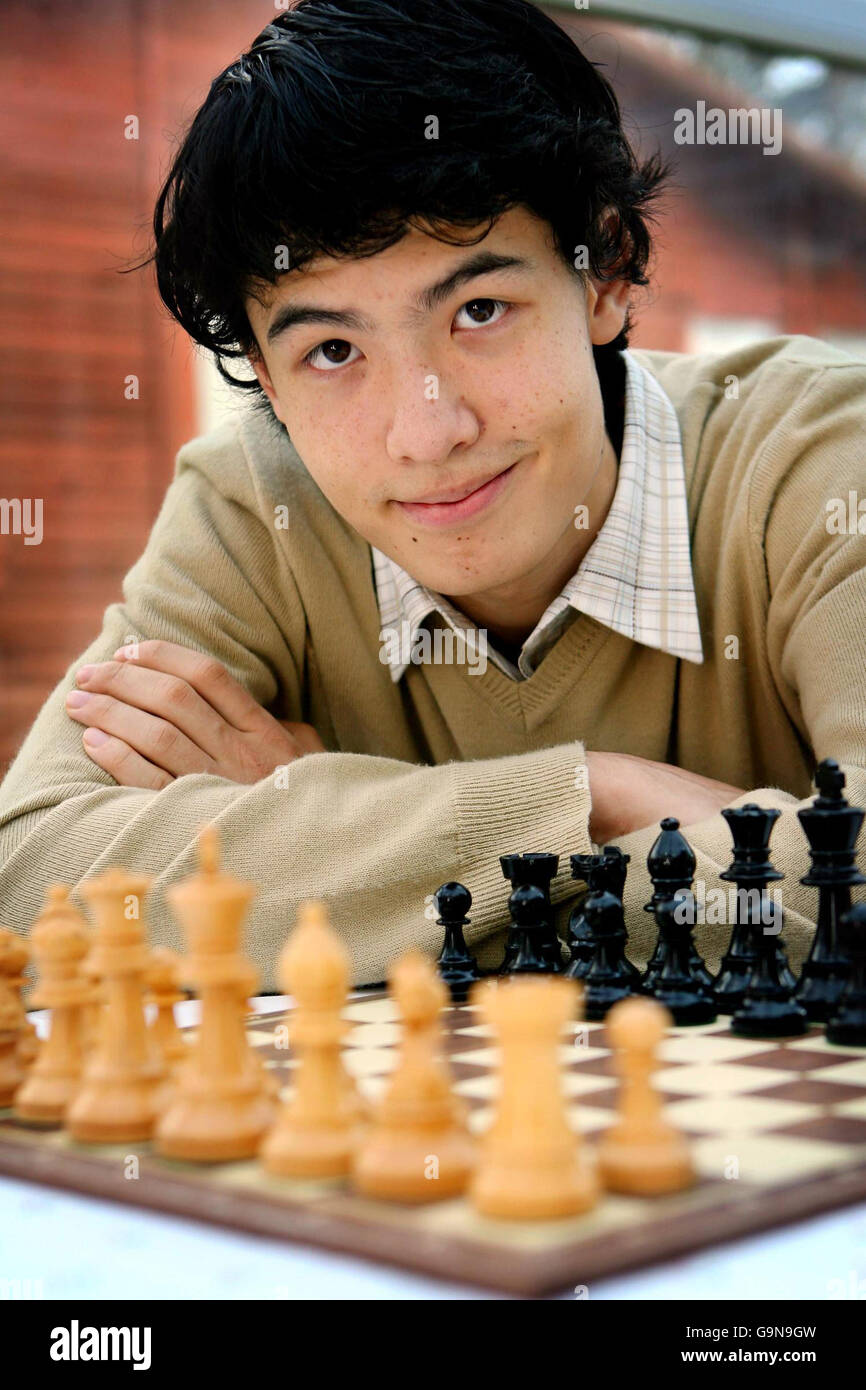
(642, 1153)
(418, 1147)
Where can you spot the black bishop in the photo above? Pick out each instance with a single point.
(676, 975)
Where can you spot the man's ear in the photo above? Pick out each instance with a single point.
(264, 377)
(606, 307)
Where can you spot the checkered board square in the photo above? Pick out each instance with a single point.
(777, 1128)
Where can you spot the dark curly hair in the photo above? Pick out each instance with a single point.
(314, 141)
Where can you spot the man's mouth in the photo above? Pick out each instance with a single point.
(458, 503)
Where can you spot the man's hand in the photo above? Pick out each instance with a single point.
(629, 793)
(159, 711)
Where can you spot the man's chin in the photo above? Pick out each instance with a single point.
(456, 586)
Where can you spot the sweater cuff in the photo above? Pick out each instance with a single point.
(530, 802)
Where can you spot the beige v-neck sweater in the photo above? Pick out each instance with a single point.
(433, 778)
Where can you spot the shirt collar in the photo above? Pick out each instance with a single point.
(636, 578)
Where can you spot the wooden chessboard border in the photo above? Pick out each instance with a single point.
(447, 1256)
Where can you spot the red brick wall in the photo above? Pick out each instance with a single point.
(79, 199)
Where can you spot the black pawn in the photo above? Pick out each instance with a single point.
(831, 827)
(768, 1008)
(611, 976)
(538, 871)
(456, 964)
(847, 1026)
(528, 908)
(751, 870)
(675, 982)
(671, 865)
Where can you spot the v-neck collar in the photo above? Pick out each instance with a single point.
(527, 703)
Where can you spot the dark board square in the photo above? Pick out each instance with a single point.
(269, 1053)
(593, 1066)
(604, 1066)
(605, 1100)
(608, 1098)
(468, 1071)
(811, 1091)
(832, 1129)
(464, 1042)
(792, 1059)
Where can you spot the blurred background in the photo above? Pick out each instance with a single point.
(747, 246)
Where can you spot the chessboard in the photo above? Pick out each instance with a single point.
(777, 1130)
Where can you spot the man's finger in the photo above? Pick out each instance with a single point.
(158, 740)
(170, 697)
(304, 735)
(204, 673)
(126, 766)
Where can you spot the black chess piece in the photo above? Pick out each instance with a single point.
(456, 964)
(528, 907)
(751, 870)
(675, 981)
(579, 936)
(847, 1025)
(768, 1008)
(671, 865)
(831, 827)
(536, 869)
(510, 866)
(611, 976)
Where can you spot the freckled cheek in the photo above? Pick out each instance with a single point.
(337, 476)
(351, 491)
(540, 403)
(341, 467)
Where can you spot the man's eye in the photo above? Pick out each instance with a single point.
(482, 312)
(335, 353)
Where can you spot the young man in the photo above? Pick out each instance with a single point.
(467, 577)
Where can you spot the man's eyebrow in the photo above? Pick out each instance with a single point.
(293, 315)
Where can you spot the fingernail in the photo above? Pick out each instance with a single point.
(84, 674)
(95, 737)
(76, 698)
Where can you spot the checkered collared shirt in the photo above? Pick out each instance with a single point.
(636, 577)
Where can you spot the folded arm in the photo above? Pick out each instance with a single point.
(373, 836)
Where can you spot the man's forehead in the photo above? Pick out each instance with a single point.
(422, 248)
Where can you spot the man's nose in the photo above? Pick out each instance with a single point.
(429, 418)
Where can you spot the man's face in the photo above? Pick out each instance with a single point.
(454, 420)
